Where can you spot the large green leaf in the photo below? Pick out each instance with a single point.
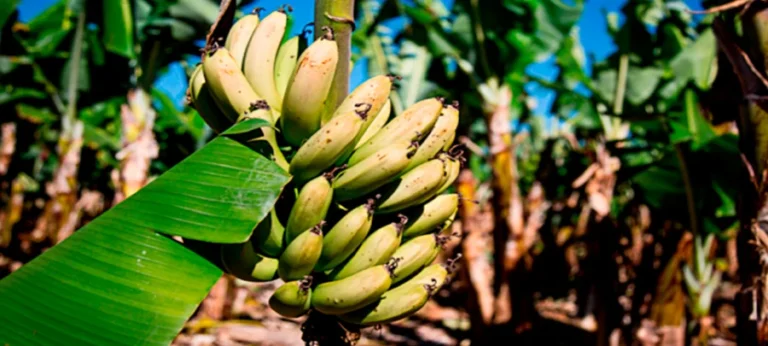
(118, 281)
(6, 10)
(118, 28)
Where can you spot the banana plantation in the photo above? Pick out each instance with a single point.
(384, 172)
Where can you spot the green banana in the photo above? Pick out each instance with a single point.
(444, 128)
(453, 170)
(311, 206)
(306, 93)
(353, 292)
(432, 215)
(227, 84)
(413, 124)
(201, 98)
(373, 172)
(324, 147)
(285, 62)
(242, 261)
(377, 249)
(292, 299)
(395, 304)
(268, 237)
(374, 91)
(239, 36)
(260, 56)
(301, 254)
(415, 254)
(376, 124)
(345, 236)
(413, 187)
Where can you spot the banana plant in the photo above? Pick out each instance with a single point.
(136, 273)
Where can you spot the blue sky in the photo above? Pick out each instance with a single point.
(592, 26)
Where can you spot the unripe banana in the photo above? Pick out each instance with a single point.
(435, 274)
(377, 249)
(292, 299)
(444, 129)
(201, 98)
(414, 187)
(306, 93)
(413, 124)
(373, 172)
(354, 292)
(227, 84)
(239, 36)
(395, 304)
(374, 91)
(310, 208)
(259, 61)
(453, 168)
(242, 261)
(432, 215)
(376, 124)
(415, 254)
(285, 62)
(301, 255)
(345, 236)
(326, 146)
(269, 235)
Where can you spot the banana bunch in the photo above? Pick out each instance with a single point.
(356, 233)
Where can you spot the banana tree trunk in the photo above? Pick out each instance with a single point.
(748, 56)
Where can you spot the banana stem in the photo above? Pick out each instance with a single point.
(339, 15)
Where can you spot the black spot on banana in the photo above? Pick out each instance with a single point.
(307, 90)
(345, 236)
(373, 172)
(204, 103)
(242, 261)
(431, 216)
(269, 235)
(354, 292)
(292, 299)
(321, 150)
(301, 254)
(414, 123)
(377, 249)
(310, 208)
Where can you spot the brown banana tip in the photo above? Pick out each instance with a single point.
(432, 286)
(307, 28)
(441, 99)
(400, 225)
(257, 10)
(369, 206)
(257, 105)
(392, 265)
(455, 104)
(333, 172)
(285, 8)
(318, 229)
(450, 265)
(306, 283)
(392, 77)
(187, 99)
(328, 33)
(441, 240)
